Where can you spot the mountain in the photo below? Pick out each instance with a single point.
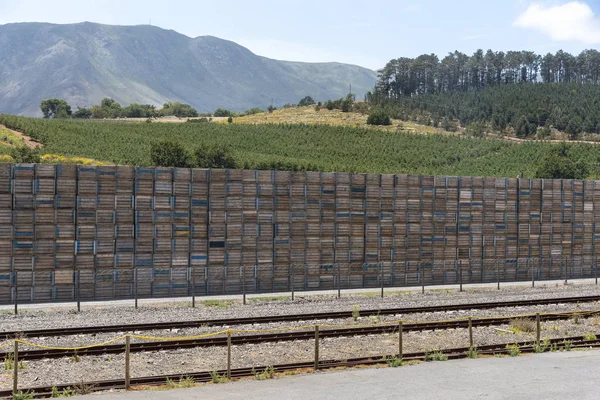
(83, 63)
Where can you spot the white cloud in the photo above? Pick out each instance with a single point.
(475, 37)
(572, 21)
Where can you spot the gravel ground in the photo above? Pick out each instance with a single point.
(67, 370)
(108, 314)
(85, 340)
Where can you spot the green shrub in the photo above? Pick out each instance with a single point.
(215, 156)
(169, 154)
(24, 154)
(379, 117)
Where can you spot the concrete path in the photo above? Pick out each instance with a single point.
(560, 376)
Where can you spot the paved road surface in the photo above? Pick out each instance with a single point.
(560, 376)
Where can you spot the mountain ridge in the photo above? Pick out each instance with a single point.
(85, 62)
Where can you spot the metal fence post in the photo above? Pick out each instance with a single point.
(135, 286)
(461, 275)
(596, 270)
(16, 293)
(193, 287)
(498, 273)
(339, 282)
(316, 347)
(381, 267)
(422, 281)
(78, 278)
(532, 273)
(293, 280)
(244, 283)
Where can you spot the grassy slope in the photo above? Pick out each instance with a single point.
(326, 148)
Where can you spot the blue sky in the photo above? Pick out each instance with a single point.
(367, 33)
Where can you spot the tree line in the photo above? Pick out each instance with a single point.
(427, 74)
(109, 108)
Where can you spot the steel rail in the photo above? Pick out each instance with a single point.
(206, 376)
(175, 343)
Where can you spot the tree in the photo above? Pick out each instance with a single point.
(475, 129)
(179, 110)
(135, 110)
(559, 164)
(82, 113)
(98, 112)
(271, 109)
(55, 108)
(378, 117)
(110, 108)
(347, 103)
(306, 101)
(230, 120)
(215, 156)
(169, 154)
(220, 112)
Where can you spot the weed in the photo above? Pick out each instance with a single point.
(522, 325)
(75, 358)
(513, 350)
(216, 378)
(186, 382)
(375, 319)
(427, 356)
(394, 362)
(268, 373)
(472, 352)
(576, 319)
(589, 336)
(356, 312)
(567, 345)
(66, 392)
(171, 384)
(83, 388)
(269, 298)
(437, 355)
(542, 346)
(9, 362)
(218, 303)
(20, 395)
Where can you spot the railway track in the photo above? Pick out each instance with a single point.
(287, 318)
(203, 377)
(277, 337)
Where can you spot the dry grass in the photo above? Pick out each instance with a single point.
(308, 115)
(521, 325)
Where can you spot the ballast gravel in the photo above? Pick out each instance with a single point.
(87, 368)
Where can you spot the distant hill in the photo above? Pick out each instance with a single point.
(83, 63)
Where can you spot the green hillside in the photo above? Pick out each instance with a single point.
(324, 148)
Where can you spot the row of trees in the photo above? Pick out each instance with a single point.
(427, 74)
(109, 108)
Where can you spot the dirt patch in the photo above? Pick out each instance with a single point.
(32, 144)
